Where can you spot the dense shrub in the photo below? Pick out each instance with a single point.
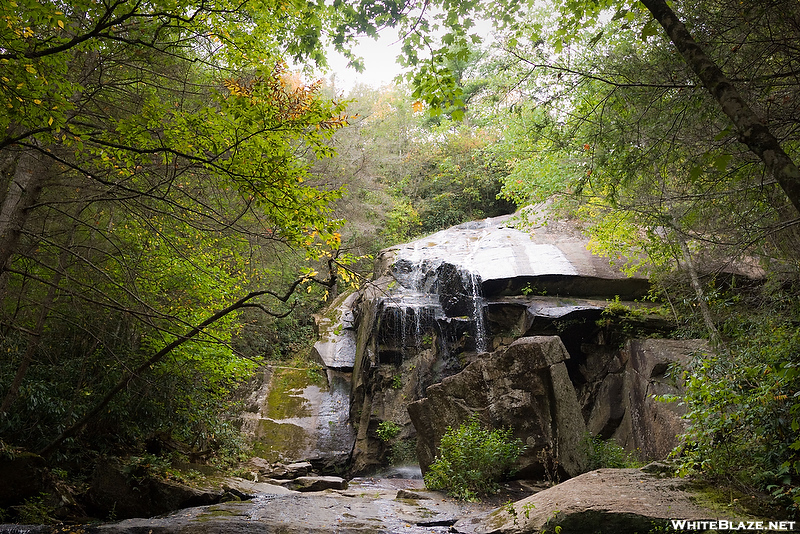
(744, 406)
(472, 460)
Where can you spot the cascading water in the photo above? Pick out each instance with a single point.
(438, 294)
(473, 284)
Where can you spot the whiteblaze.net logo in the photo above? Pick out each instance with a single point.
(723, 524)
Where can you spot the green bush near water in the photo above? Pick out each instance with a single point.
(472, 460)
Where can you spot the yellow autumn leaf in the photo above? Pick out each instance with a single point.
(50, 122)
(37, 101)
(60, 24)
(30, 68)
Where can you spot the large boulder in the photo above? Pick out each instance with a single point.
(603, 501)
(312, 483)
(114, 490)
(525, 387)
(552, 257)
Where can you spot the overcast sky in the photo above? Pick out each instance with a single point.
(379, 60)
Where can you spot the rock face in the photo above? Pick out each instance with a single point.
(652, 369)
(300, 414)
(336, 347)
(360, 510)
(525, 387)
(443, 315)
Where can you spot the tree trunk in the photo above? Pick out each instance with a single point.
(705, 310)
(752, 130)
(22, 193)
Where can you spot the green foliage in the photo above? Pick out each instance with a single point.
(146, 466)
(447, 180)
(744, 408)
(608, 453)
(473, 460)
(402, 222)
(35, 510)
(160, 199)
(387, 430)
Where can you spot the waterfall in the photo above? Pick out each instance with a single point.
(432, 291)
(473, 284)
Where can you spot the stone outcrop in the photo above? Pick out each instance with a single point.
(260, 469)
(298, 414)
(444, 303)
(606, 500)
(336, 346)
(313, 483)
(524, 387)
(552, 257)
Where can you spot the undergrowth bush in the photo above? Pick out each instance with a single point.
(744, 408)
(388, 430)
(608, 453)
(472, 460)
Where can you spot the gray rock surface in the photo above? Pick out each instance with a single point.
(606, 501)
(363, 508)
(524, 387)
(248, 489)
(313, 483)
(473, 288)
(552, 255)
(261, 469)
(336, 347)
(300, 414)
(651, 426)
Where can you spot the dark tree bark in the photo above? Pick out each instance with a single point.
(752, 130)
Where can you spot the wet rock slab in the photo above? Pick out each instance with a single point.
(360, 509)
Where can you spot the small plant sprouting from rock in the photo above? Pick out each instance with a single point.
(472, 460)
(387, 430)
(511, 510)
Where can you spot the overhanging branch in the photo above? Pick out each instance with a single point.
(243, 302)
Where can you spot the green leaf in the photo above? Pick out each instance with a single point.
(721, 162)
(650, 29)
